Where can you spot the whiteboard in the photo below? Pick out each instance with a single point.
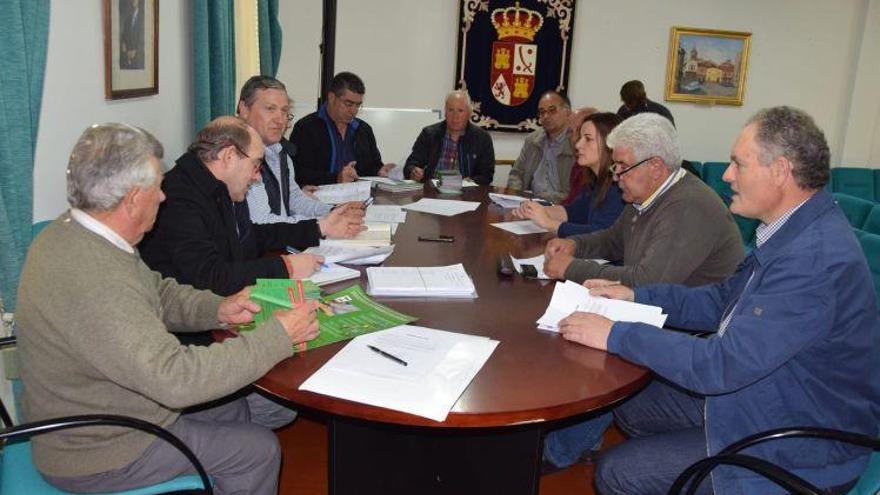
(396, 129)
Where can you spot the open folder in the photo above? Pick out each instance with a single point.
(439, 367)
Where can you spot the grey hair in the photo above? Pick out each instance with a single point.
(256, 83)
(647, 135)
(792, 133)
(460, 93)
(107, 161)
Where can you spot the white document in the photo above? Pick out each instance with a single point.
(439, 367)
(520, 227)
(506, 200)
(334, 194)
(424, 281)
(376, 178)
(537, 262)
(445, 207)
(332, 274)
(464, 183)
(349, 254)
(569, 297)
(385, 213)
(377, 234)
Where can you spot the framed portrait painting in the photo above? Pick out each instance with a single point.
(707, 66)
(131, 48)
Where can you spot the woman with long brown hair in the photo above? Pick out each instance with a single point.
(600, 202)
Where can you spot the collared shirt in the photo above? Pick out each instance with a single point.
(92, 224)
(302, 206)
(448, 160)
(668, 183)
(546, 178)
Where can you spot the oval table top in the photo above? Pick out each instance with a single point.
(533, 376)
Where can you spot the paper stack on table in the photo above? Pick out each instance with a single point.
(439, 367)
(424, 281)
(464, 183)
(334, 194)
(520, 227)
(332, 274)
(569, 297)
(385, 213)
(377, 234)
(352, 255)
(445, 207)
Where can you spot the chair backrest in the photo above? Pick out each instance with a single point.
(712, 173)
(855, 209)
(871, 246)
(872, 222)
(877, 185)
(858, 182)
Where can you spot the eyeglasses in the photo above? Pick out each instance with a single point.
(256, 163)
(618, 166)
(542, 112)
(351, 104)
(289, 117)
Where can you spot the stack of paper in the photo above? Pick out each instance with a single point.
(352, 255)
(333, 273)
(506, 200)
(521, 227)
(377, 234)
(334, 194)
(398, 186)
(385, 213)
(439, 367)
(569, 297)
(445, 207)
(464, 183)
(425, 281)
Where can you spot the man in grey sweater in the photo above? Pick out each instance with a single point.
(675, 230)
(95, 338)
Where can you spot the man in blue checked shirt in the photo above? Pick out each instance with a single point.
(794, 342)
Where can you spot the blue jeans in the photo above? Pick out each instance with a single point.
(665, 426)
(563, 447)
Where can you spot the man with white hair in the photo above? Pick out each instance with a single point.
(453, 145)
(95, 338)
(794, 337)
(675, 229)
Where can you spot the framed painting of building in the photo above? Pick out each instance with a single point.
(131, 48)
(707, 66)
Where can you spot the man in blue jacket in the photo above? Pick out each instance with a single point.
(795, 335)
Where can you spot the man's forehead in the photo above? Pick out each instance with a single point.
(348, 94)
(273, 95)
(549, 101)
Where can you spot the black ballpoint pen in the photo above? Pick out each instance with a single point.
(387, 355)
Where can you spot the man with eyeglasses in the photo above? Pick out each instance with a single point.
(333, 144)
(547, 157)
(675, 229)
(204, 236)
(276, 197)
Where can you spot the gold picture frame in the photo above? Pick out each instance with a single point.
(131, 48)
(707, 65)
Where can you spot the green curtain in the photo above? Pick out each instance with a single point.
(24, 38)
(270, 37)
(213, 60)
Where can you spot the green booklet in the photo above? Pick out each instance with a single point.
(343, 315)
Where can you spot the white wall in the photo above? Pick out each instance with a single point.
(862, 145)
(73, 93)
(805, 53)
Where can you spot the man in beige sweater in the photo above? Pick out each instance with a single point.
(95, 338)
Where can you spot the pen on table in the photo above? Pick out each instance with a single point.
(387, 355)
(367, 203)
(441, 238)
(293, 250)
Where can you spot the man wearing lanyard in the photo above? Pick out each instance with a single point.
(333, 144)
(794, 339)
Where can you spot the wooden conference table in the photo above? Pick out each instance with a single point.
(491, 440)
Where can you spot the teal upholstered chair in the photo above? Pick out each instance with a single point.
(18, 476)
(855, 209)
(872, 221)
(712, 173)
(877, 185)
(38, 227)
(858, 182)
(871, 246)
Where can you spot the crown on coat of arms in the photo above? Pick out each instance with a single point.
(517, 22)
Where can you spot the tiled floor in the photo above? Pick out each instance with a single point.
(304, 471)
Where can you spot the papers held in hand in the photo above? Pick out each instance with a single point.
(440, 366)
(352, 255)
(425, 281)
(569, 297)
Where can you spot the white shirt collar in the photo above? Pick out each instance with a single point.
(90, 223)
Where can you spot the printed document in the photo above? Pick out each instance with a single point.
(445, 207)
(423, 281)
(569, 297)
(439, 367)
(385, 213)
(334, 194)
(353, 255)
(520, 227)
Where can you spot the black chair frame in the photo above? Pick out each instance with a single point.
(794, 484)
